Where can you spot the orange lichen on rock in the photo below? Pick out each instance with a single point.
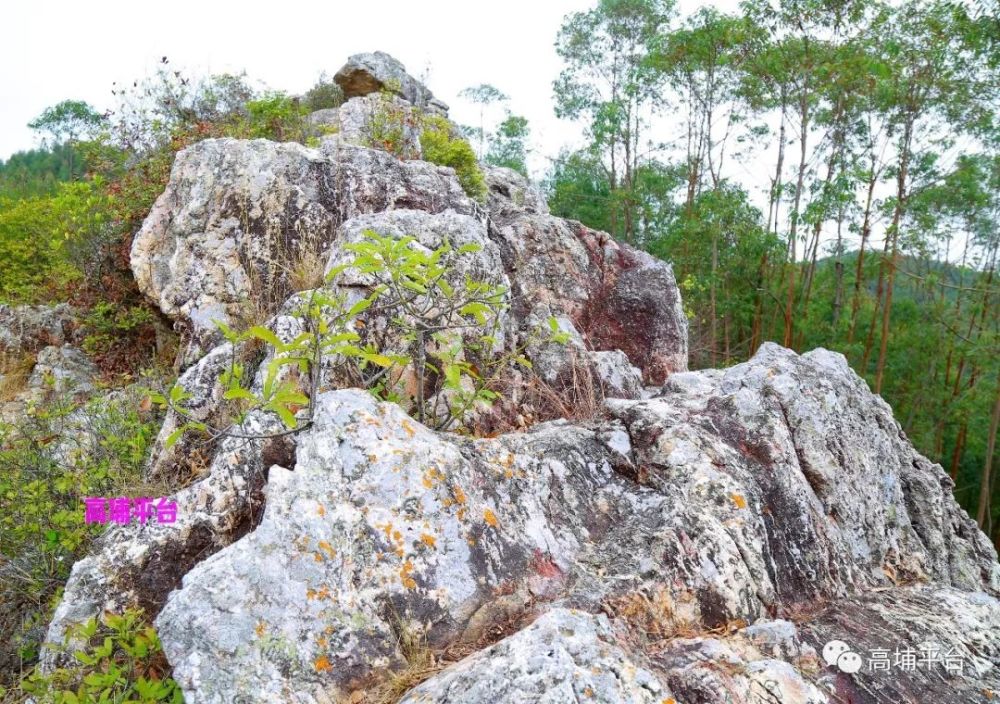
(404, 575)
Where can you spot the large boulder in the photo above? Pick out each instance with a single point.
(368, 73)
(27, 328)
(243, 224)
(616, 297)
(777, 489)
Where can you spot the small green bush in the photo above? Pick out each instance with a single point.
(122, 663)
(388, 127)
(325, 94)
(438, 356)
(49, 460)
(41, 236)
(276, 116)
(106, 323)
(442, 145)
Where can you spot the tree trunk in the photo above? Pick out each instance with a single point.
(866, 230)
(713, 337)
(775, 195)
(897, 217)
(879, 288)
(985, 484)
(956, 452)
(793, 231)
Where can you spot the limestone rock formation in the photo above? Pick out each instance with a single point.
(700, 539)
(701, 509)
(370, 73)
(239, 218)
(29, 328)
(583, 663)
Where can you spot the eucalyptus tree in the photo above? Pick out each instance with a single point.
(932, 91)
(508, 144)
(484, 95)
(66, 122)
(609, 82)
(702, 61)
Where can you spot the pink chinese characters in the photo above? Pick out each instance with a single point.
(122, 509)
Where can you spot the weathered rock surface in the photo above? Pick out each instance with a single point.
(56, 371)
(372, 72)
(564, 656)
(238, 218)
(63, 369)
(28, 328)
(701, 508)
(139, 564)
(615, 296)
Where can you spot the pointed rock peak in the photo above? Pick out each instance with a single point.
(375, 71)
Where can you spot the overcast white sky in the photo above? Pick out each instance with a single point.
(58, 49)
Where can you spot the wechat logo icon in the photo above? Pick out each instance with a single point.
(838, 654)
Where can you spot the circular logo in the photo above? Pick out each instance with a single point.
(838, 654)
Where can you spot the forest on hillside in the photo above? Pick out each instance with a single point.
(871, 129)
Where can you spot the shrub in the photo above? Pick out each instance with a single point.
(49, 460)
(39, 238)
(122, 662)
(276, 116)
(391, 126)
(442, 145)
(325, 94)
(434, 352)
(119, 337)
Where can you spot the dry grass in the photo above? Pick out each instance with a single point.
(576, 396)
(306, 270)
(424, 662)
(654, 616)
(15, 370)
(296, 262)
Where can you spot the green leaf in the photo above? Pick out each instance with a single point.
(84, 658)
(174, 437)
(359, 307)
(227, 332)
(239, 393)
(178, 394)
(475, 309)
(375, 358)
(446, 288)
(262, 333)
(287, 417)
(453, 376)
